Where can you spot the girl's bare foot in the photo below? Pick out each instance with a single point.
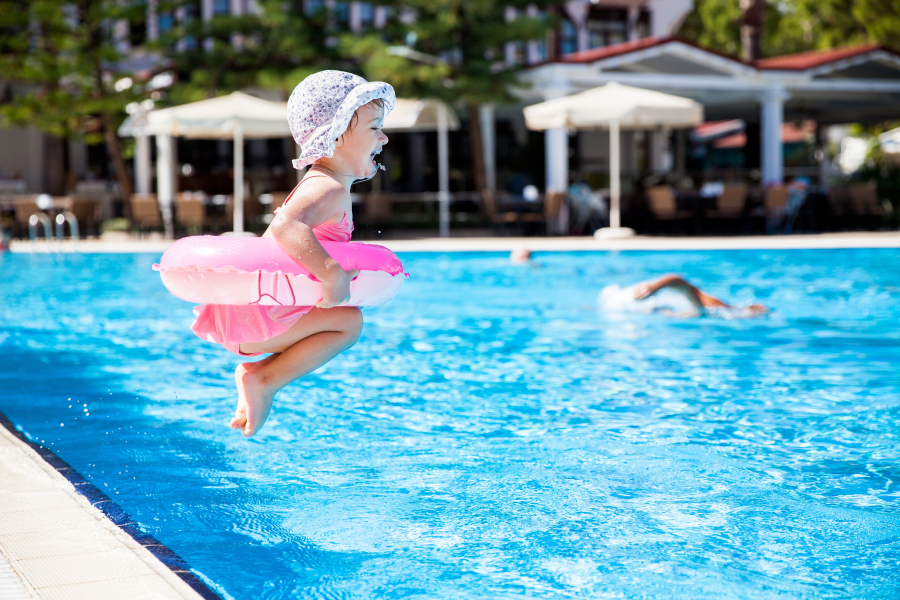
(254, 399)
(239, 421)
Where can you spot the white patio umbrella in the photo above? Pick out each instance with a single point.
(237, 116)
(429, 115)
(614, 106)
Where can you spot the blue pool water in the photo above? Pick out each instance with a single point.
(493, 434)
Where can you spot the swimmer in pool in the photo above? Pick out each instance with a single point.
(701, 301)
(336, 119)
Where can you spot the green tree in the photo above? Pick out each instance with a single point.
(796, 25)
(274, 48)
(63, 62)
(714, 24)
(460, 46)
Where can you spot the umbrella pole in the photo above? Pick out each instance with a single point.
(615, 188)
(615, 229)
(238, 179)
(443, 172)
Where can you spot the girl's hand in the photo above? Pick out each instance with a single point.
(336, 288)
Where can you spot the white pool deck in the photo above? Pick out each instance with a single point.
(855, 239)
(54, 545)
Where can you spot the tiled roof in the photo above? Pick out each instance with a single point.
(789, 62)
(814, 58)
(595, 54)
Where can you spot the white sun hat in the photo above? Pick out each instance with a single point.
(321, 107)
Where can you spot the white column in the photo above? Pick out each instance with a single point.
(771, 150)
(443, 172)
(634, 14)
(556, 157)
(488, 141)
(615, 188)
(142, 164)
(578, 13)
(380, 16)
(152, 20)
(238, 179)
(355, 17)
(166, 179)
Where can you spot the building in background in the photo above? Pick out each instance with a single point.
(31, 161)
(629, 41)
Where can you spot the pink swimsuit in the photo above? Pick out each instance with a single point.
(231, 325)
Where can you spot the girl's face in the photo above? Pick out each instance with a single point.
(357, 148)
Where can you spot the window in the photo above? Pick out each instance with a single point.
(541, 54)
(137, 26)
(607, 26)
(568, 37)
(342, 15)
(643, 24)
(366, 14)
(165, 22)
(311, 7)
(221, 7)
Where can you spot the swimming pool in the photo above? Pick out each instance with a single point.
(493, 434)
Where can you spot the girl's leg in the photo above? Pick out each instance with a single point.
(316, 338)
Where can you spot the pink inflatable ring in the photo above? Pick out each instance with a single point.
(250, 270)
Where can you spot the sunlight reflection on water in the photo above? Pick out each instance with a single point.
(494, 434)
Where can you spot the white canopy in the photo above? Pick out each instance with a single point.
(429, 115)
(614, 105)
(236, 116)
(419, 115)
(216, 118)
(633, 108)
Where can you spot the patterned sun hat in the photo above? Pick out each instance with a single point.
(321, 107)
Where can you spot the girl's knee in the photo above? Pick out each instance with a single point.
(353, 323)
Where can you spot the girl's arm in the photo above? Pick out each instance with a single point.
(293, 230)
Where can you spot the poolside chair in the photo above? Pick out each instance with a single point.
(775, 199)
(190, 210)
(501, 219)
(661, 201)
(24, 206)
(88, 210)
(145, 212)
(556, 213)
(864, 200)
(253, 209)
(731, 203)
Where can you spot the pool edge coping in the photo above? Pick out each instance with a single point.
(83, 491)
(811, 241)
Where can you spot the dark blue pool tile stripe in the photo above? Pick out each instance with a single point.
(115, 513)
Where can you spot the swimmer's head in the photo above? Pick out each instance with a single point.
(520, 255)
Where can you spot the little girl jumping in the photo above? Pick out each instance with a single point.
(336, 119)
